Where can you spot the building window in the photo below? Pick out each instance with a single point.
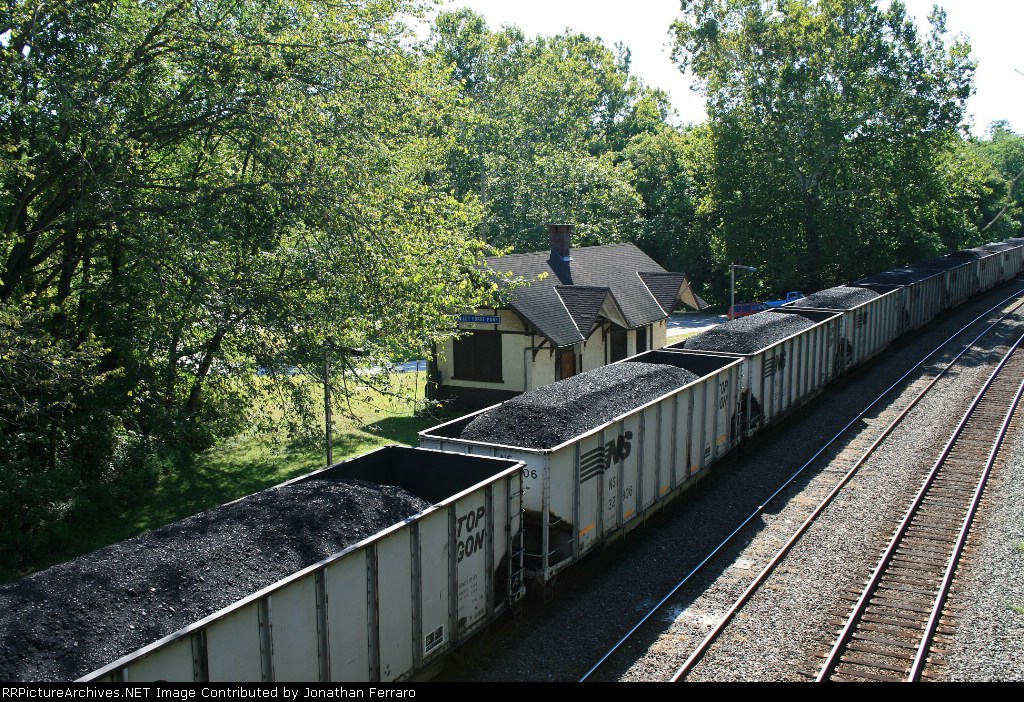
(477, 356)
(617, 344)
(566, 366)
(641, 339)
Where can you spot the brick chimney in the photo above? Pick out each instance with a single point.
(561, 237)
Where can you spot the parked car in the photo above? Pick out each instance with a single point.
(791, 296)
(743, 309)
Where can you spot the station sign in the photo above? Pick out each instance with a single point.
(479, 319)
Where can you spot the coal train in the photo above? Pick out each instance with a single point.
(512, 495)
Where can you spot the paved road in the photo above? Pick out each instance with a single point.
(420, 365)
(687, 323)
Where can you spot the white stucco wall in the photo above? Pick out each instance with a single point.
(521, 370)
(513, 352)
(542, 370)
(660, 334)
(593, 355)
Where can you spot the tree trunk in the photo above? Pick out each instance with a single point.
(195, 394)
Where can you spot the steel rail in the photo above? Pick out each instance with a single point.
(869, 589)
(947, 581)
(826, 501)
(760, 508)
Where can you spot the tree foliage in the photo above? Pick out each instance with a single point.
(665, 163)
(193, 191)
(544, 121)
(830, 122)
(1002, 206)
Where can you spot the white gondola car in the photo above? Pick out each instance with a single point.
(1016, 256)
(783, 375)
(990, 266)
(959, 277)
(600, 484)
(923, 293)
(382, 610)
(1009, 258)
(867, 326)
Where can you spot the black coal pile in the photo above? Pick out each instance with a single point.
(943, 263)
(841, 297)
(64, 622)
(553, 414)
(749, 334)
(978, 252)
(898, 276)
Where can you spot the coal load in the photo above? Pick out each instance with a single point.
(841, 297)
(749, 334)
(71, 619)
(979, 252)
(941, 263)
(553, 414)
(899, 276)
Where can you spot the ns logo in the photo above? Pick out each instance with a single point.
(597, 460)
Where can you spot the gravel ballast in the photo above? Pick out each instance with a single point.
(841, 297)
(553, 414)
(749, 334)
(71, 619)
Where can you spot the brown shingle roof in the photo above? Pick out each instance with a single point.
(584, 303)
(670, 288)
(643, 291)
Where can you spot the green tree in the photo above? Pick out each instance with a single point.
(192, 191)
(1003, 150)
(544, 120)
(664, 161)
(829, 122)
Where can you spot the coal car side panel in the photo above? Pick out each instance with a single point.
(589, 488)
(383, 609)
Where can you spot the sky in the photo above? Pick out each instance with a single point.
(994, 28)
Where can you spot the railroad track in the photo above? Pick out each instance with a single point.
(888, 634)
(841, 457)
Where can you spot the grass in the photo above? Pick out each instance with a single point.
(245, 464)
(251, 462)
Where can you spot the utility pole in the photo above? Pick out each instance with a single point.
(327, 403)
(732, 285)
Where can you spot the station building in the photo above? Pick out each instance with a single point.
(582, 308)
